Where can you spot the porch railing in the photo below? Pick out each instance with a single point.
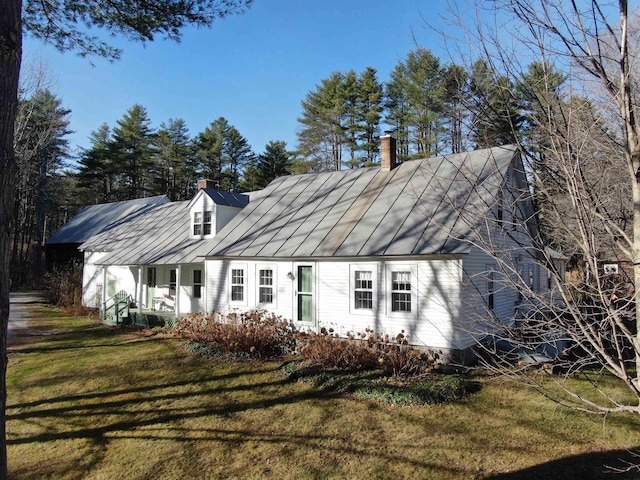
(117, 306)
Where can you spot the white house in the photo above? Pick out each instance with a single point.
(157, 257)
(421, 247)
(413, 247)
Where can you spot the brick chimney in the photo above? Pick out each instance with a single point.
(388, 150)
(206, 183)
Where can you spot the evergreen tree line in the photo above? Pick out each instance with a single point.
(431, 108)
(43, 198)
(132, 160)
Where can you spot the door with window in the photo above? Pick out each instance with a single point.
(305, 308)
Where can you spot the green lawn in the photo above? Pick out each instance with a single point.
(88, 401)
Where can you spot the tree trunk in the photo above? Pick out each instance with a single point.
(10, 56)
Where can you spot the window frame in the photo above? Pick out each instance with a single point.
(202, 223)
(371, 268)
(411, 269)
(233, 268)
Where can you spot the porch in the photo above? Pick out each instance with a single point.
(121, 309)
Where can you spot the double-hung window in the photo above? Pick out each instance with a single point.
(197, 283)
(401, 291)
(265, 288)
(237, 284)
(363, 290)
(202, 223)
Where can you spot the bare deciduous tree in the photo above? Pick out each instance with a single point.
(582, 154)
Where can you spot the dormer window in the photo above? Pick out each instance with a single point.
(202, 223)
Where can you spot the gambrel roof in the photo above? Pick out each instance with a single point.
(420, 207)
(94, 219)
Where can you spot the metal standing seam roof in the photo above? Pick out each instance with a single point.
(94, 219)
(160, 236)
(421, 207)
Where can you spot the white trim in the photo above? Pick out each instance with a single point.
(274, 285)
(412, 270)
(363, 267)
(313, 293)
(245, 284)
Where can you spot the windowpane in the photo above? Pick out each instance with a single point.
(237, 293)
(305, 279)
(364, 279)
(400, 302)
(266, 295)
(305, 308)
(237, 276)
(364, 300)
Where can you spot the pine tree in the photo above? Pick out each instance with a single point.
(425, 94)
(237, 153)
(274, 162)
(175, 169)
(209, 151)
(96, 169)
(321, 137)
(455, 82)
(132, 150)
(369, 114)
(397, 108)
(495, 109)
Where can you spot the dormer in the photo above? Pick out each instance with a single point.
(211, 209)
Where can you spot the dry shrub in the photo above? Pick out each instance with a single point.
(257, 333)
(65, 287)
(366, 351)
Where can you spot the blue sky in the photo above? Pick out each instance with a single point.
(253, 69)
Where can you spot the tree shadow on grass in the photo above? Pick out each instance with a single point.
(613, 464)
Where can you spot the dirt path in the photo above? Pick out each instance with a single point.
(20, 309)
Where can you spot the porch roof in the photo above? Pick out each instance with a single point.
(161, 236)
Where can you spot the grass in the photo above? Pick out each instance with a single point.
(93, 402)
